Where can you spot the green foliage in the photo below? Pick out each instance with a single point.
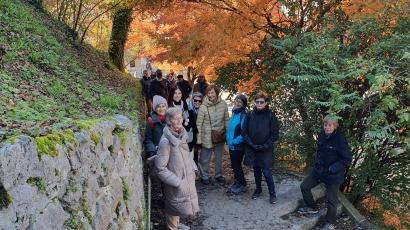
(37, 182)
(45, 83)
(121, 134)
(46, 145)
(364, 81)
(73, 221)
(86, 210)
(125, 189)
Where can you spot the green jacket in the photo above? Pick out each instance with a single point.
(218, 113)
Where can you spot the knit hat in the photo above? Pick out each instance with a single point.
(157, 100)
(243, 99)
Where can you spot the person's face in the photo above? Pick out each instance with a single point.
(169, 76)
(201, 78)
(212, 95)
(237, 103)
(161, 109)
(197, 102)
(180, 79)
(177, 95)
(260, 103)
(329, 127)
(145, 73)
(176, 122)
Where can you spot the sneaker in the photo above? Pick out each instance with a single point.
(307, 210)
(183, 227)
(239, 189)
(256, 194)
(272, 199)
(220, 179)
(232, 187)
(205, 181)
(329, 226)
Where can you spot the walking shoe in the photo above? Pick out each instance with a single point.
(232, 187)
(329, 226)
(205, 181)
(307, 210)
(183, 227)
(256, 194)
(220, 179)
(272, 199)
(239, 189)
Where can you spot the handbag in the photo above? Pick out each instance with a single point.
(217, 136)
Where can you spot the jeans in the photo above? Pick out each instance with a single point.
(257, 172)
(236, 164)
(331, 196)
(205, 158)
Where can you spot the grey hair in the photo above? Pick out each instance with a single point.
(197, 94)
(171, 112)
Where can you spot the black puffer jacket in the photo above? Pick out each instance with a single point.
(260, 131)
(332, 156)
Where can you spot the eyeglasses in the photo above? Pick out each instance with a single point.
(197, 100)
(259, 102)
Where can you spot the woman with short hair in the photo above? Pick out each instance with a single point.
(212, 123)
(176, 170)
(260, 131)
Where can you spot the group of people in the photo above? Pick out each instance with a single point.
(181, 136)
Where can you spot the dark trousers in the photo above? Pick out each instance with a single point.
(196, 153)
(331, 196)
(236, 164)
(257, 172)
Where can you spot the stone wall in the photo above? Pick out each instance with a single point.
(88, 179)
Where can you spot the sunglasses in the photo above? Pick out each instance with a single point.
(259, 102)
(197, 100)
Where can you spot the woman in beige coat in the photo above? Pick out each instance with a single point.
(212, 117)
(176, 169)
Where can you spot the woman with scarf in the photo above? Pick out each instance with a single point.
(176, 99)
(177, 171)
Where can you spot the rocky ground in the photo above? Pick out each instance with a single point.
(220, 210)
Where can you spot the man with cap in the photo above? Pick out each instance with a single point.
(235, 143)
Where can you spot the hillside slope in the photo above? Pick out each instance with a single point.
(48, 81)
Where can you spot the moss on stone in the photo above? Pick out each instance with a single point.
(68, 136)
(95, 138)
(46, 145)
(125, 190)
(91, 123)
(73, 221)
(85, 208)
(37, 182)
(121, 134)
(13, 139)
(5, 198)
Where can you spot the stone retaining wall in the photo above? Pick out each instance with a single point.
(90, 179)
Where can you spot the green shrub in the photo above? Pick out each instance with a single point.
(37, 182)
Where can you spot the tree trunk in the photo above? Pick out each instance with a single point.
(120, 25)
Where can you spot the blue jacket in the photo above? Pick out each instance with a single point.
(234, 139)
(332, 157)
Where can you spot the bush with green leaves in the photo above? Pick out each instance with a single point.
(359, 74)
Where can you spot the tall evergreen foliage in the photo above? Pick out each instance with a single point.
(359, 73)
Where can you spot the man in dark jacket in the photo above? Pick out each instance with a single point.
(145, 84)
(260, 131)
(201, 85)
(184, 86)
(157, 86)
(332, 157)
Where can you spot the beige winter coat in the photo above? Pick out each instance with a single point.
(218, 112)
(176, 169)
